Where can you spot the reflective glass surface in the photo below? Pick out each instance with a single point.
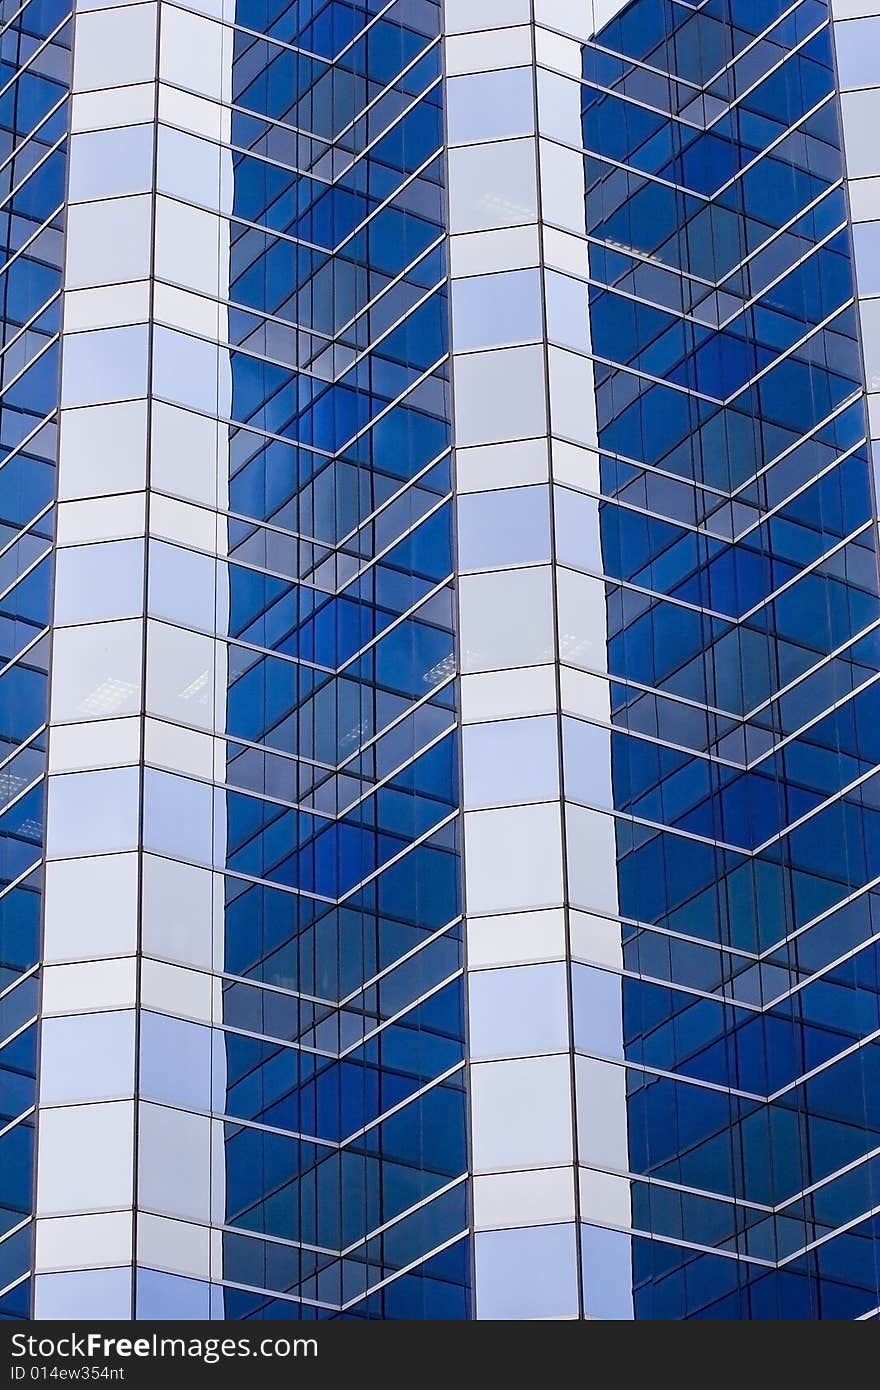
(334, 1070)
(663, 643)
(739, 555)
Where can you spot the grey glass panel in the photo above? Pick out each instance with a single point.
(499, 395)
(188, 168)
(870, 314)
(861, 112)
(174, 1162)
(108, 241)
(493, 185)
(103, 449)
(115, 48)
(522, 1113)
(96, 671)
(462, 16)
(568, 320)
(85, 1158)
(506, 619)
(578, 534)
(185, 370)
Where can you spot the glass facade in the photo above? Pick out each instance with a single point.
(255, 1044)
(441, 596)
(343, 997)
(739, 550)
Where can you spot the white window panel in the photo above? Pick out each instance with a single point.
(521, 1113)
(513, 858)
(86, 1158)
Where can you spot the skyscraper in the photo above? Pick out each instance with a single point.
(440, 666)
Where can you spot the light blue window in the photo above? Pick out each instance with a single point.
(496, 310)
(490, 105)
(509, 762)
(86, 1293)
(858, 43)
(568, 311)
(178, 816)
(587, 755)
(175, 1061)
(518, 1011)
(185, 370)
(608, 1274)
(111, 163)
(527, 1273)
(182, 585)
(107, 365)
(94, 812)
(171, 1298)
(507, 527)
(87, 1057)
(97, 582)
(597, 999)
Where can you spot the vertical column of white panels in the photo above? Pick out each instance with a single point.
(186, 1138)
(179, 1146)
(593, 836)
(594, 933)
(856, 31)
(36, 68)
(520, 1073)
(125, 1151)
(527, 475)
(86, 1126)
